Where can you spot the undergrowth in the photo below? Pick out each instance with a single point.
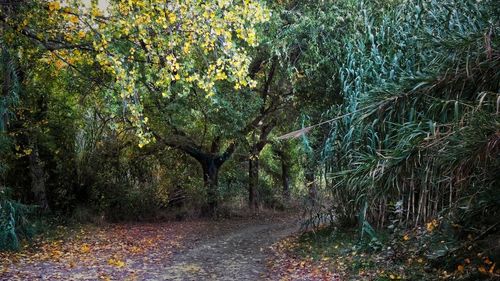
(15, 224)
(422, 253)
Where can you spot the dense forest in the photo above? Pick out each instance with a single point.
(377, 121)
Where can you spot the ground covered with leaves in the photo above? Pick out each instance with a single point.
(233, 249)
(264, 247)
(113, 252)
(337, 254)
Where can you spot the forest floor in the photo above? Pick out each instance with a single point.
(234, 249)
(267, 246)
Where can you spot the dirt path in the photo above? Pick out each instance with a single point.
(237, 254)
(194, 250)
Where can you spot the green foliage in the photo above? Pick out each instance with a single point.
(8, 99)
(413, 86)
(14, 222)
(340, 251)
(11, 86)
(419, 101)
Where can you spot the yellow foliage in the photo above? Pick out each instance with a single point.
(482, 269)
(190, 42)
(59, 64)
(492, 268)
(116, 262)
(432, 225)
(72, 18)
(54, 5)
(171, 18)
(85, 248)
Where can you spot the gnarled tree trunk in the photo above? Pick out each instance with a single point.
(210, 167)
(210, 161)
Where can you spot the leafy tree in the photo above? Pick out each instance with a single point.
(169, 54)
(309, 51)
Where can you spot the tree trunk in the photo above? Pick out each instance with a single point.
(284, 156)
(311, 186)
(210, 162)
(253, 164)
(285, 178)
(253, 180)
(38, 178)
(210, 180)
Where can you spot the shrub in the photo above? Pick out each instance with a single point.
(14, 222)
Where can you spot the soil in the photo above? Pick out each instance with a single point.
(238, 253)
(232, 249)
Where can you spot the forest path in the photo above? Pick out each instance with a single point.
(232, 249)
(233, 252)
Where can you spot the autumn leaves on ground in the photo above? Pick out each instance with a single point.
(268, 246)
(235, 249)
(118, 252)
(253, 248)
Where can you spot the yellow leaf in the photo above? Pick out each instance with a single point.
(85, 248)
(56, 253)
(116, 262)
(172, 17)
(460, 268)
(482, 269)
(406, 237)
(492, 268)
(54, 5)
(135, 249)
(430, 227)
(96, 12)
(59, 64)
(186, 48)
(73, 19)
(81, 33)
